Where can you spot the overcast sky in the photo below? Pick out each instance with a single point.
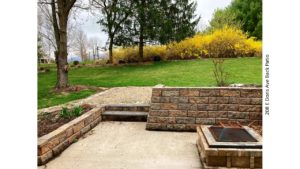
(205, 9)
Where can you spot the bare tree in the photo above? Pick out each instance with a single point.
(81, 44)
(94, 42)
(45, 29)
(114, 14)
(60, 10)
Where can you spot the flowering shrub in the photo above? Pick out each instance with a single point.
(131, 54)
(221, 43)
(189, 48)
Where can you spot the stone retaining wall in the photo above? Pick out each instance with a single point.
(181, 109)
(52, 144)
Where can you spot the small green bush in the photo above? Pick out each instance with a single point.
(77, 111)
(219, 72)
(65, 113)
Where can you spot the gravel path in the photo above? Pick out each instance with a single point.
(116, 95)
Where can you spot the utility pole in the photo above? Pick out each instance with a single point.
(97, 51)
(94, 53)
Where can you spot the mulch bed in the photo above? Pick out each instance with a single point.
(50, 121)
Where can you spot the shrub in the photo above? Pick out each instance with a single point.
(156, 58)
(219, 43)
(75, 62)
(47, 69)
(231, 42)
(222, 43)
(190, 48)
(131, 54)
(219, 72)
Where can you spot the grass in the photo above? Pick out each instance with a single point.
(170, 73)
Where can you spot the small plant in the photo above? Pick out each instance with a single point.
(65, 113)
(77, 111)
(219, 72)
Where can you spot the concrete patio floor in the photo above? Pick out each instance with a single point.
(127, 145)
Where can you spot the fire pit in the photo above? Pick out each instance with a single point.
(222, 134)
(229, 146)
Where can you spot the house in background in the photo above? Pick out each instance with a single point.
(44, 60)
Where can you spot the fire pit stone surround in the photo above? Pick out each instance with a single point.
(228, 157)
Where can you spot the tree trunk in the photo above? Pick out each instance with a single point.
(56, 62)
(110, 48)
(141, 45)
(142, 24)
(62, 69)
(82, 54)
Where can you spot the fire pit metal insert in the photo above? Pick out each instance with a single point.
(227, 134)
(247, 138)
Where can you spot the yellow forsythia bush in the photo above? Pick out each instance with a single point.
(131, 54)
(189, 48)
(223, 43)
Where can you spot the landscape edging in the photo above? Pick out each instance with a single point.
(55, 142)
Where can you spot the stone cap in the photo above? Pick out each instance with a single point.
(210, 87)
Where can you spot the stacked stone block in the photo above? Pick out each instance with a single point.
(182, 109)
(52, 144)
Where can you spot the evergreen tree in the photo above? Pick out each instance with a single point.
(249, 12)
(179, 20)
(141, 26)
(158, 21)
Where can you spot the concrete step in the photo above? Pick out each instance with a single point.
(124, 116)
(128, 107)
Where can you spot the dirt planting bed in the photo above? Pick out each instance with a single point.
(50, 121)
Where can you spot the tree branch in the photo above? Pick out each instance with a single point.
(49, 39)
(55, 24)
(45, 2)
(70, 4)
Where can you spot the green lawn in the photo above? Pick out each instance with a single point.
(169, 73)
